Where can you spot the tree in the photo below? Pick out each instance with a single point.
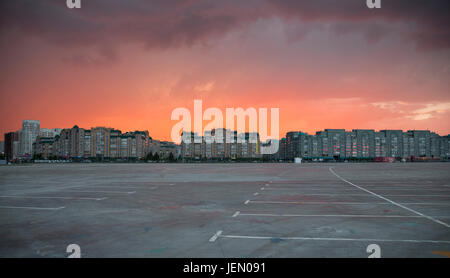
(171, 157)
(156, 157)
(149, 156)
(37, 156)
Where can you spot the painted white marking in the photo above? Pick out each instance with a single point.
(317, 203)
(338, 239)
(53, 197)
(326, 194)
(96, 191)
(331, 215)
(343, 194)
(299, 190)
(33, 208)
(246, 202)
(255, 194)
(215, 236)
(345, 203)
(353, 190)
(390, 201)
(411, 195)
(113, 187)
(262, 188)
(236, 214)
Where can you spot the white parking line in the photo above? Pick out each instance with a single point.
(255, 194)
(317, 203)
(55, 197)
(236, 214)
(412, 195)
(215, 236)
(350, 190)
(337, 239)
(410, 189)
(344, 203)
(323, 194)
(246, 202)
(343, 194)
(33, 208)
(95, 191)
(332, 215)
(390, 201)
(114, 187)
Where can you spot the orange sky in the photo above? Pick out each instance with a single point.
(339, 69)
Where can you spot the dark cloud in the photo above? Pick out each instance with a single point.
(430, 18)
(175, 23)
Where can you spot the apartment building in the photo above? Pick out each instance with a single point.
(98, 142)
(220, 144)
(364, 143)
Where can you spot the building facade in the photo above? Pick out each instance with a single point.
(220, 144)
(27, 136)
(97, 142)
(11, 145)
(364, 144)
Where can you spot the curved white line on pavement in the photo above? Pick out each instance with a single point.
(390, 201)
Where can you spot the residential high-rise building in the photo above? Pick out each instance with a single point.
(444, 146)
(220, 144)
(365, 143)
(49, 132)
(394, 143)
(380, 144)
(43, 147)
(11, 145)
(167, 148)
(27, 136)
(98, 142)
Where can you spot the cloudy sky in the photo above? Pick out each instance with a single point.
(128, 63)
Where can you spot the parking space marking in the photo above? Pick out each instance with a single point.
(236, 214)
(390, 201)
(95, 191)
(333, 215)
(350, 190)
(317, 203)
(336, 239)
(32, 208)
(55, 197)
(357, 194)
(322, 194)
(303, 188)
(215, 236)
(341, 203)
(415, 195)
(114, 187)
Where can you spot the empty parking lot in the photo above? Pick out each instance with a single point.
(225, 210)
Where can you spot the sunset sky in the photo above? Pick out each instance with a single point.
(128, 63)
